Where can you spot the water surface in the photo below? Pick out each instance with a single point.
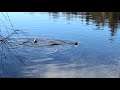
(96, 56)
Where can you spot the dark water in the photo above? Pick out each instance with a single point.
(98, 54)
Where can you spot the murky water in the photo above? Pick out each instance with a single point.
(98, 54)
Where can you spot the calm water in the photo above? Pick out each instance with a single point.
(98, 54)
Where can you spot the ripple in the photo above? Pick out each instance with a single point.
(42, 60)
(65, 71)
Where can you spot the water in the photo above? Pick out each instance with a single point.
(96, 56)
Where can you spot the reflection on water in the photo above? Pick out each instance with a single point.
(96, 56)
(99, 18)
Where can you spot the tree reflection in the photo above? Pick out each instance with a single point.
(100, 19)
(110, 18)
(54, 14)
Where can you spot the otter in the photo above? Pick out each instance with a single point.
(53, 43)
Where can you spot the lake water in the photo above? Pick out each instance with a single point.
(97, 56)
